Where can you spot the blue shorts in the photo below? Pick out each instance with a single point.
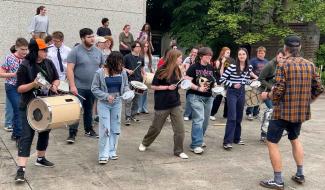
(276, 128)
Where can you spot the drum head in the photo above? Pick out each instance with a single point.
(38, 114)
(139, 85)
(128, 96)
(186, 84)
(217, 90)
(255, 84)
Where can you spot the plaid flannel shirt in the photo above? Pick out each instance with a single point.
(297, 84)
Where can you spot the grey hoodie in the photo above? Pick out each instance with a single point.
(99, 88)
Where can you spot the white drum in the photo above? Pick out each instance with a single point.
(218, 90)
(186, 84)
(255, 84)
(128, 96)
(138, 87)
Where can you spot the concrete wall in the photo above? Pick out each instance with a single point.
(69, 16)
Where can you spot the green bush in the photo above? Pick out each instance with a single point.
(320, 60)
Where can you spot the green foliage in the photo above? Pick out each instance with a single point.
(189, 23)
(242, 21)
(320, 61)
(320, 56)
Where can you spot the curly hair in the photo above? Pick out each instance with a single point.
(114, 63)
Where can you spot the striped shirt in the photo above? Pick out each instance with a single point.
(296, 85)
(230, 77)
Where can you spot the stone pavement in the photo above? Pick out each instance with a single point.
(157, 168)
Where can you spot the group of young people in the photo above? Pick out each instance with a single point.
(97, 73)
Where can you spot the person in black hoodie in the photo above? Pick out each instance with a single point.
(29, 88)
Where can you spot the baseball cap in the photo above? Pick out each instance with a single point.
(100, 39)
(292, 41)
(41, 44)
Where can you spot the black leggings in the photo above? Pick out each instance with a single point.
(216, 104)
(26, 139)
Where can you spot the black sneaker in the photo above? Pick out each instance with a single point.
(91, 133)
(271, 184)
(96, 119)
(14, 137)
(298, 178)
(227, 146)
(20, 176)
(128, 121)
(71, 139)
(44, 163)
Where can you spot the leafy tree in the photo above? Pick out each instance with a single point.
(189, 22)
(251, 21)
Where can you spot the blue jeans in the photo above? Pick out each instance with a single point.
(201, 109)
(235, 102)
(14, 97)
(253, 110)
(9, 115)
(109, 127)
(143, 102)
(188, 109)
(87, 106)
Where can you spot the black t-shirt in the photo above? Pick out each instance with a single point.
(202, 76)
(101, 31)
(165, 99)
(131, 62)
(27, 73)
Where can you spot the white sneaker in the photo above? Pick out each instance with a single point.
(142, 148)
(204, 145)
(186, 118)
(197, 150)
(212, 118)
(183, 155)
(250, 117)
(103, 161)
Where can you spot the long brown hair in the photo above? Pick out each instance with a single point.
(148, 53)
(170, 67)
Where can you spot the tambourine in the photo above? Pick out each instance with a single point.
(186, 84)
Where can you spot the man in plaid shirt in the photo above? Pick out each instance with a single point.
(297, 85)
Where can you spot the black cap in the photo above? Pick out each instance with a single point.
(292, 41)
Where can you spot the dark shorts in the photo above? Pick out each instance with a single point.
(276, 128)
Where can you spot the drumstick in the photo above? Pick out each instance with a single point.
(179, 82)
(81, 96)
(137, 67)
(219, 124)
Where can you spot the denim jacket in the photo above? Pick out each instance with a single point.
(99, 88)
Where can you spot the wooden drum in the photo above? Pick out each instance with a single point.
(44, 113)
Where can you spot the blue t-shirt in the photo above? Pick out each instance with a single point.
(258, 65)
(113, 83)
